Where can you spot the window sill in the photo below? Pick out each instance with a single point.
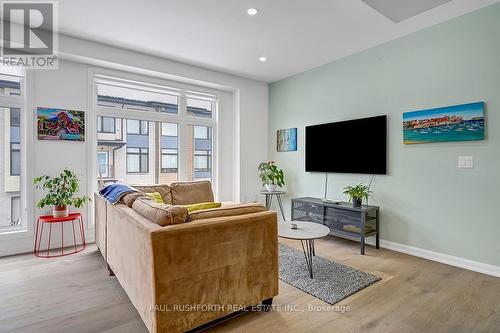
(15, 233)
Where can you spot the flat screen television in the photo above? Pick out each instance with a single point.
(353, 146)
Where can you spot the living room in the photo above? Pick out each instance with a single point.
(271, 166)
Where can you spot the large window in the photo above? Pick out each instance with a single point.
(163, 134)
(11, 142)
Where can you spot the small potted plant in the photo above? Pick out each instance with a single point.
(271, 176)
(60, 192)
(357, 193)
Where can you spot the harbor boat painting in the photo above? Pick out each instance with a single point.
(452, 123)
(59, 124)
(286, 140)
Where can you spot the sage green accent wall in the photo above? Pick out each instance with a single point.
(427, 201)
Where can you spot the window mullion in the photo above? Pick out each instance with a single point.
(183, 144)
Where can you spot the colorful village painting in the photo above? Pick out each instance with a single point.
(59, 124)
(453, 123)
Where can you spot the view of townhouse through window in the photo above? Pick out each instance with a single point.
(135, 149)
(11, 103)
(202, 155)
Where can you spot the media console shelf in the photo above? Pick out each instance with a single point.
(342, 218)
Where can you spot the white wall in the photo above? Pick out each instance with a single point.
(243, 108)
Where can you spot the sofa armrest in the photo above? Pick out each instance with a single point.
(129, 254)
(100, 219)
(225, 262)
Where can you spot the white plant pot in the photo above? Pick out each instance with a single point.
(271, 187)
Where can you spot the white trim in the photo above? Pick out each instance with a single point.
(91, 151)
(447, 259)
(105, 67)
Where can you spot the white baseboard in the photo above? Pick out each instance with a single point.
(471, 265)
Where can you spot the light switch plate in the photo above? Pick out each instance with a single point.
(465, 162)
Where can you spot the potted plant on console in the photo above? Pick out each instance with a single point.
(357, 193)
(271, 176)
(60, 192)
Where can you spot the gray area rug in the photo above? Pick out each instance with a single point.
(332, 282)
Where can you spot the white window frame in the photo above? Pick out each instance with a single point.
(182, 119)
(24, 102)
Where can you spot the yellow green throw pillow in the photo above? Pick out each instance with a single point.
(201, 206)
(156, 196)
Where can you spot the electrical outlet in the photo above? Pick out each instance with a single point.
(465, 162)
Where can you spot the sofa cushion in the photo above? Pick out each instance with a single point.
(129, 198)
(186, 193)
(227, 210)
(161, 214)
(164, 191)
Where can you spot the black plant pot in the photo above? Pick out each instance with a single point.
(356, 202)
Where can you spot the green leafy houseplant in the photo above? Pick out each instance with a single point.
(271, 176)
(357, 193)
(60, 192)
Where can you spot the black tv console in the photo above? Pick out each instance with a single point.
(342, 218)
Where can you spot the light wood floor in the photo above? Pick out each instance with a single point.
(75, 294)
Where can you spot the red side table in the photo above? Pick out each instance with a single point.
(50, 220)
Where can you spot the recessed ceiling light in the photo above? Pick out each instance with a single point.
(262, 59)
(252, 11)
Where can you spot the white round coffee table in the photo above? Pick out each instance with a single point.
(306, 232)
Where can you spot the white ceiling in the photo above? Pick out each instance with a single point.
(294, 35)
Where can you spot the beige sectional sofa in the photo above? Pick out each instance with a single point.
(183, 274)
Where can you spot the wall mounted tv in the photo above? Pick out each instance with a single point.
(353, 146)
